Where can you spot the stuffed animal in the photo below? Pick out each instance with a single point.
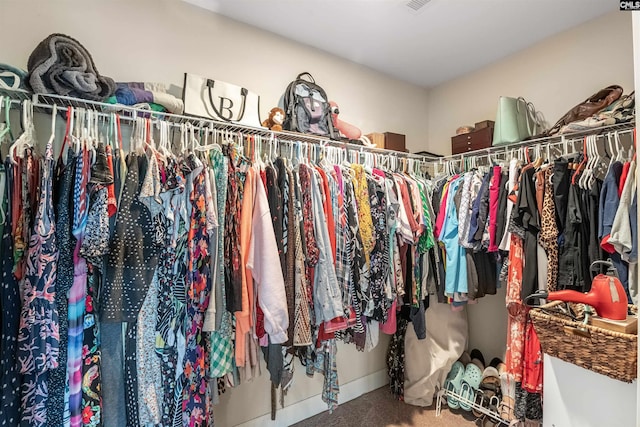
(348, 130)
(275, 119)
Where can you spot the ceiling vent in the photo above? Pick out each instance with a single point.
(416, 5)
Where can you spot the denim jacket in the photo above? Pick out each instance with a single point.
(327, 295)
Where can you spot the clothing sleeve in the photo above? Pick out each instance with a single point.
(209, 324)
(267, 272)
(621, 238)
(633, 219)
(403, 230)
(610, 202)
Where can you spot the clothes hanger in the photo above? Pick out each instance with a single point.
(619, 147)
(52, 137)
(7, 121)
(193, 143)
(582, 163)
(135, 132)
(589, 160)
(538, 156)
(75, 130)
(94, 136)
(67, 137)
(4, 130)
(596, 168)
(109, 135)
(150, 142)
(591, 157)
(164, 130)
(26, 139)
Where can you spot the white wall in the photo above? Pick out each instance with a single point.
(555, 75)
(569, 391)
(159, 40)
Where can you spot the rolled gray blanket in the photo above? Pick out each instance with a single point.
(61, 65)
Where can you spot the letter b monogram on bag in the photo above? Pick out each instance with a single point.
(218, 100)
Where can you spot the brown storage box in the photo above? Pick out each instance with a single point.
(394, 141)
(485, 124)
(476, 140)
(388, 140)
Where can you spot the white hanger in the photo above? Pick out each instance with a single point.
(26, 139)
(52, 137)
(5, 130)
(619, 147)
(591, 159)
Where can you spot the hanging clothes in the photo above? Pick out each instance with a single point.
(10, 306)
(38, 336)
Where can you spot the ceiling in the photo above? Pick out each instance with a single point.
(440, 41)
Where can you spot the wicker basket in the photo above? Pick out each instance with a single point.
(610, 353)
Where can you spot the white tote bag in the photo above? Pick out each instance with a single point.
(221, 101)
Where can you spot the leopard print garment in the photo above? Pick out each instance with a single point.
(548, 236)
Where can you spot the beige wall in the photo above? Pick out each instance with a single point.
(159, 40)
(554, 74)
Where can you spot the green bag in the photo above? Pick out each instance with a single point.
(516, 120)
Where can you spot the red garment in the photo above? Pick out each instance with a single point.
(112, 202)
(494, 195)
(260, 332)
(606, 246)
(442, 213)
(532, 377)
(406, 201)
(263, 177)
(517, 312)
(389, 327)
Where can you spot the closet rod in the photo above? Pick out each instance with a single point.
(128, 113)
(555, 140)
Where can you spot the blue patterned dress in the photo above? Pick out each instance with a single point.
(38, 337)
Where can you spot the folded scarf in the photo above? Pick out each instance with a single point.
(147, 93)
(149, 106)
(61, 65)
(620, 111)
(12, 77)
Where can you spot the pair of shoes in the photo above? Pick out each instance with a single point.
(464, 380)
(453, 384)
(488, 395)
(508, 388)
(470, 383)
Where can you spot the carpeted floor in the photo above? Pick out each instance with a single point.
(380, 409)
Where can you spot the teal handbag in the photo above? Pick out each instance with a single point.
(516, 120)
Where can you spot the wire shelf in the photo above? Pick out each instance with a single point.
(544, 141)
(129, 112)
(16, 94)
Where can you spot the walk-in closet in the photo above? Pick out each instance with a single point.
(318, 213)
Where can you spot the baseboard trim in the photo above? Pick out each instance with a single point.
(314, 405)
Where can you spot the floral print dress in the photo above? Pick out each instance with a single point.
(194, 404)
(38, 337)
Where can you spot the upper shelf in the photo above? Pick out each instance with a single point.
(129, 113)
